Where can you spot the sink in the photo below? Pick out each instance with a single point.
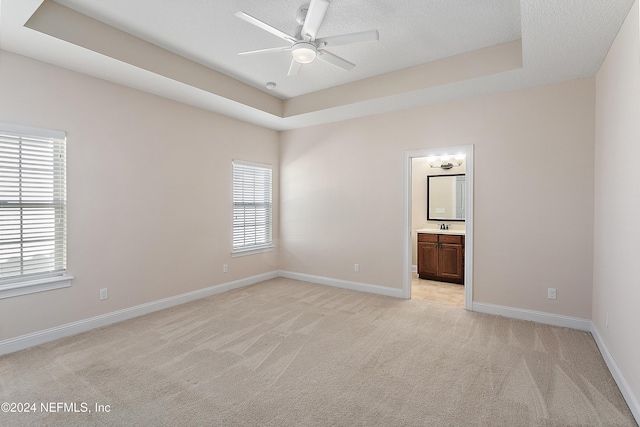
(438, 231)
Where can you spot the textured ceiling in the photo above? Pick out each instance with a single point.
(560, 40)
(411, 32)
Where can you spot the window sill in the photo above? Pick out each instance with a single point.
(33, 286)
(244, 252)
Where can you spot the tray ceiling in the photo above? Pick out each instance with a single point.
(428, 52)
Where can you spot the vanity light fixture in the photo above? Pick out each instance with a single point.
(446, 161)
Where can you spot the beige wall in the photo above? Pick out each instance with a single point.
(342, 194)
(616, 289)
(149, 192)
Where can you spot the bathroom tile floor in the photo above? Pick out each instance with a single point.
(437, 292)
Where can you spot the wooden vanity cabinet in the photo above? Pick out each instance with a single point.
(441, 257)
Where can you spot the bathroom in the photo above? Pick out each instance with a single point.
(438, 228)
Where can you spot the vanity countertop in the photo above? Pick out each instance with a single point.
(438, 231)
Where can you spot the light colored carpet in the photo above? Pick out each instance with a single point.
(288, 353)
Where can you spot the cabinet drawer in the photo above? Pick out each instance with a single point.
(447, 238)
(426, 237)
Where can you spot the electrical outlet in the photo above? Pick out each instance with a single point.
(225, 268)
(551, 293)
(103, 294)
(356, 267)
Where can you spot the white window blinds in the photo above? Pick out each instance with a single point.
(32, 204)
(252, 211)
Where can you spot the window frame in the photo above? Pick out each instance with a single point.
(258, 170)
(56, 277)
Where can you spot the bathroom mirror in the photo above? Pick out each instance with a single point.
(445, 197)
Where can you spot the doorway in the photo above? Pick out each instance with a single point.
(409, 234)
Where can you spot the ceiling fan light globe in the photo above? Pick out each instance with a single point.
(304, 53)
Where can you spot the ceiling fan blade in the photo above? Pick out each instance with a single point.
(269, 50)
(344, 39)
(263, 25)
(335, 60)
(313, 20)
(294, 68)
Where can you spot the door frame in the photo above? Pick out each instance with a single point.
(468, 246)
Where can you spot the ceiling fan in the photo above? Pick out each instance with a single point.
(305, 47)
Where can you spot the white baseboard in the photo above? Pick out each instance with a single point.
(414, 268)
(36, 338)
(344, 284)
(627, 393)
(533, 316)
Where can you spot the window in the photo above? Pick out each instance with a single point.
(252, 211)
(32, 208)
